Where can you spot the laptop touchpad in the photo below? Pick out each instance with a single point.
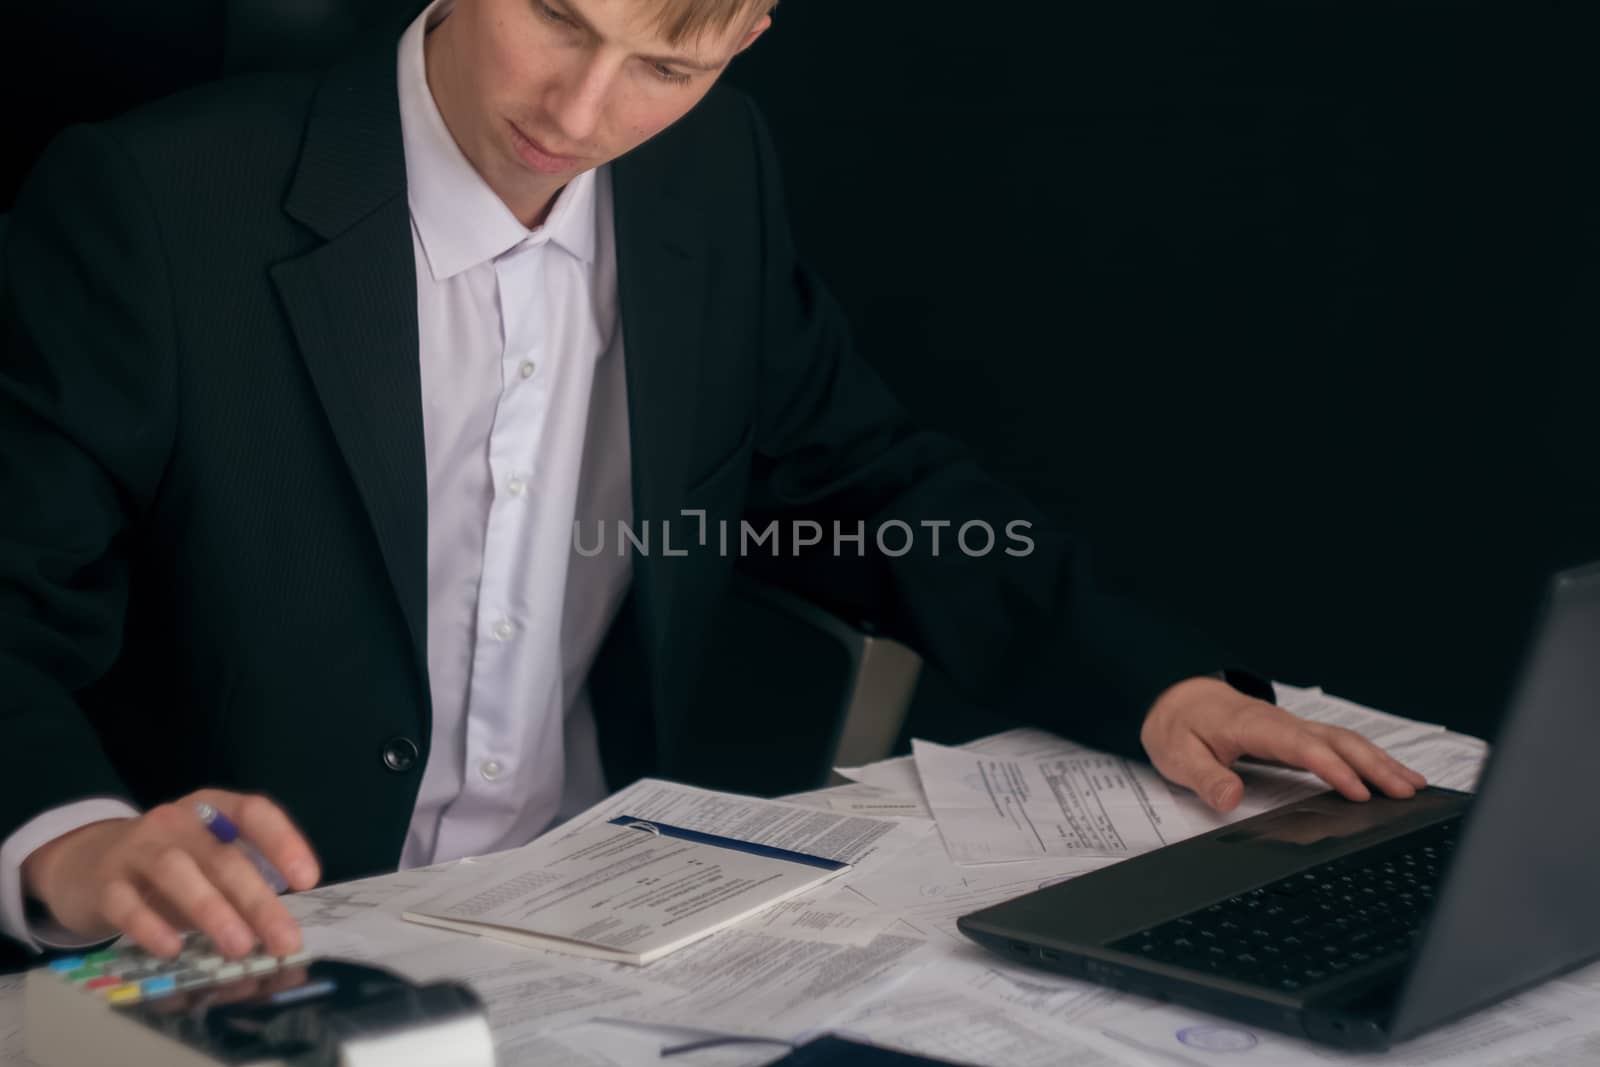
(1330, 820)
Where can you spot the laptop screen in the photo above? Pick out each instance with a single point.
(1521, 901)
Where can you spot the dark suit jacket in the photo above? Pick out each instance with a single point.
(214, 529)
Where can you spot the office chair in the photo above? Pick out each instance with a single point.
(804, 690)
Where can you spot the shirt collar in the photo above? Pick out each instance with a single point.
(460, 221)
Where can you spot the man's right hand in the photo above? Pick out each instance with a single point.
(164, 872)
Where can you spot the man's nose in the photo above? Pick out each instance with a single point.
(577, 102)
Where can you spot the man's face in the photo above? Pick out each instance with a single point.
(536, 92)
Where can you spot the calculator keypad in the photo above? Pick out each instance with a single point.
(129, 974)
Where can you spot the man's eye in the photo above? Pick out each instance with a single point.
(552, 14)
(667, 74)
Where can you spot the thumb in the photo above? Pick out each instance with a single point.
(1189, 761)
(1223, 791)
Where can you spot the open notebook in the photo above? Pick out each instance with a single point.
(628, 890)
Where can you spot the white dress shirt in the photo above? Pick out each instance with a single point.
(524, 407)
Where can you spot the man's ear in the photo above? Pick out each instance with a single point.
(757, 30)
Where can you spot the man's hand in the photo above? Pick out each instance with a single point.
(163, 872)
(1199, 727)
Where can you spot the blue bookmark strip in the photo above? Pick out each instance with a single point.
(727, 842)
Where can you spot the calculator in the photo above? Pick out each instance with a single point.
(123, 1006)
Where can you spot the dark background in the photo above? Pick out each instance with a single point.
(1291, 305)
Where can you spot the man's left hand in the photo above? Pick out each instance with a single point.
(1197, 729)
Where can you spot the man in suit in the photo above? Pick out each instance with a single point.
(307, 382)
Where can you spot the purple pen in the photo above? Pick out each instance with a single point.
(223, 830)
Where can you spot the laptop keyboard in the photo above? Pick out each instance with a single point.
(1309, 928)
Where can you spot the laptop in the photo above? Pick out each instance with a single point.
(1360, 925)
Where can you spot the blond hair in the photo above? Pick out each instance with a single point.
(678, 21)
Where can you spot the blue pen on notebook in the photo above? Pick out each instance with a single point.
(223, 830)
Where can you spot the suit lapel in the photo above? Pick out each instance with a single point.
(352, 305)
(664, 291)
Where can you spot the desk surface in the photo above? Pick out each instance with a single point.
(876, 953)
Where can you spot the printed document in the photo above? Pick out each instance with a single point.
(625, 890)
(849, 838)
(997, 808)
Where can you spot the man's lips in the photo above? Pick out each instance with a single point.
(537, 156)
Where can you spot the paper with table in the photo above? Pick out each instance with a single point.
(996, 808)
(843, 836)
(627, 889)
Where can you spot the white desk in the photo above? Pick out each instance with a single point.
(894, 969)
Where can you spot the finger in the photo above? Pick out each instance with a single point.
(1373, 763)
(264, 825)
(1417, 780)
(1372, 748)
(255, 901)
(123, 907)
(1189, 762)
(174, 874)
(169, 914)
(1415, 777)
(1289, 740)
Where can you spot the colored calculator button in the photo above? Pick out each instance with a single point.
(105, 981)
(83, 974)
(109, 955)
(71, 963)
(157, 987)
(126, 993)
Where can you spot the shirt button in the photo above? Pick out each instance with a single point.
(516, 486)
(400, 754)
(526, 370)
(490, 769)
(503, 629)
